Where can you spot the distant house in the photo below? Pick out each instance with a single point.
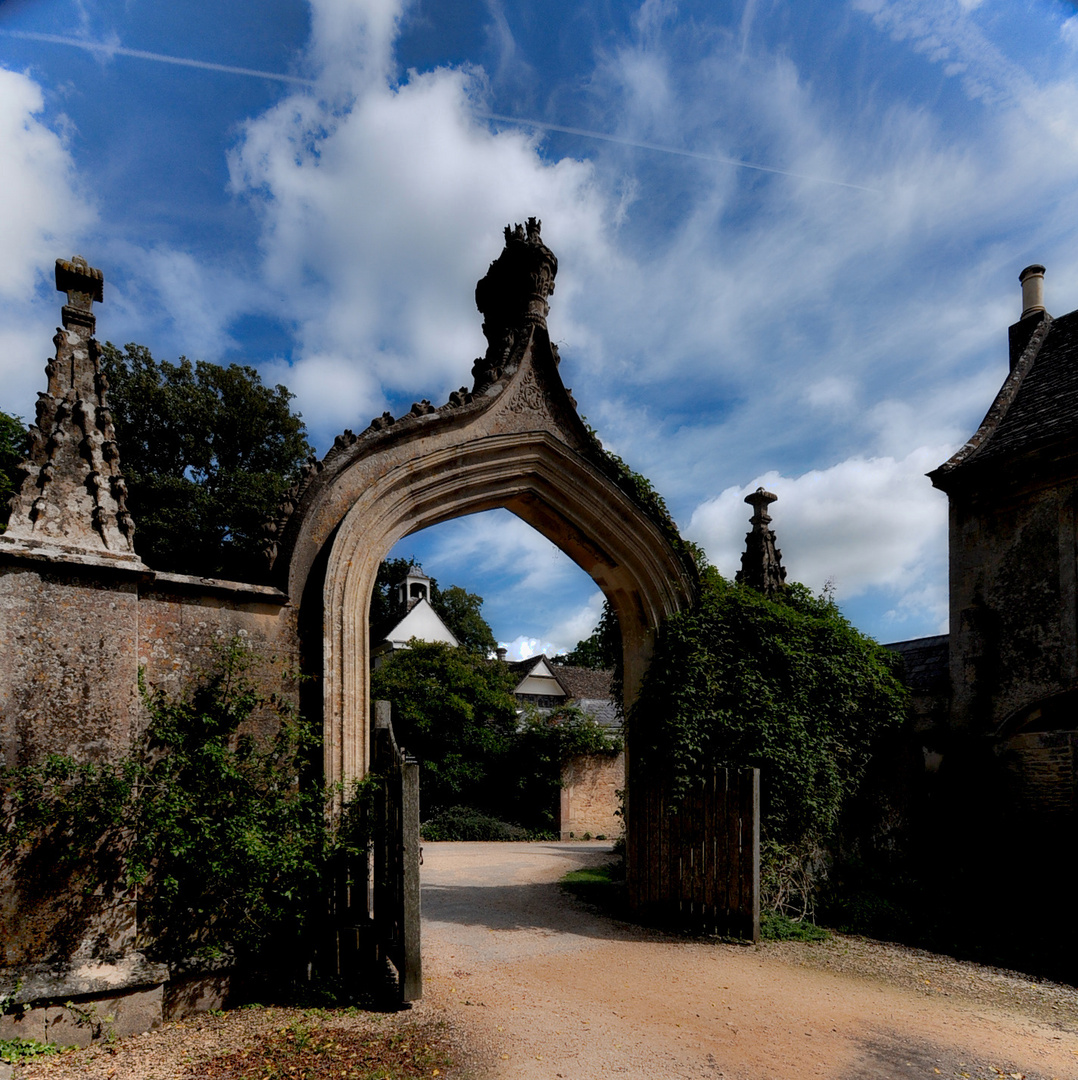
(590, 782)
(419, 620)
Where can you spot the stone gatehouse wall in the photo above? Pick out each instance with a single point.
(73, 640)
(589, 796)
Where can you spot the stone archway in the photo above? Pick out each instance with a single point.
(514, 440)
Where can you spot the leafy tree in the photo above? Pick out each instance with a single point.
(785, 684)
(601, 651)
(455, 711)
(208, 451)
(460, 610)
(12, 451)
(545, 742)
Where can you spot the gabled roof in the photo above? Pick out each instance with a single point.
(1035, 409)
(538, 667)
(582, 682)
(421, 622)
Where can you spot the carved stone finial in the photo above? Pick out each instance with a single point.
(761, 562)
(73, 497)
(513, 297)
(83, 284)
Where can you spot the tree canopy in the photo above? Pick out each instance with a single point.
(207, 451)
(455, 711)
(12, 451)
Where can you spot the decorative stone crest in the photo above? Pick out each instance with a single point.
(513, 298)
(73, 496)
(761, 562)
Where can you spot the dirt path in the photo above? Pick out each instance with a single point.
(545, 988)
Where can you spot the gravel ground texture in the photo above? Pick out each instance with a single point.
(522, 981)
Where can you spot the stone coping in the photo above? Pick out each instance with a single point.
(44, 982)
(40, 555)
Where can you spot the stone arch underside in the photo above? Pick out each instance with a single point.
(533, 476)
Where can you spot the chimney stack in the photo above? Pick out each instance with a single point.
(503, 652)
(1033, 312)
(1032, 279)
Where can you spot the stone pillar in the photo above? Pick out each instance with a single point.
(72, 501)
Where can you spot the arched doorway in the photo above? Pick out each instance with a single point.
(514, 441)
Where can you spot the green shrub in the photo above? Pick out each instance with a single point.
(223, 832)
(466, 823)
(783, 684)
(774, 926)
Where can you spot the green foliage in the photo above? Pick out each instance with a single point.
(208, 451)
(545, 741)
(12, 451)
(466, 823)
(12, 1051)
(775, 926)
(641, 490)
(785, 684)
(455, 712)
(462, 612)
(214, 821)
(601, 651)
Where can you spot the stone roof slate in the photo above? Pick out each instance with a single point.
(581, 682)
(1037, 405)
(925, 661)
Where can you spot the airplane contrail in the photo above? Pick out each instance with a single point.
(163, 58)
(663, 149)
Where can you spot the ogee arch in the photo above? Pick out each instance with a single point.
(514, 440)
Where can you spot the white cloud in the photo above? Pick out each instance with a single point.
(379, 217)
(865, 523)
(44, 215)
(43, 210)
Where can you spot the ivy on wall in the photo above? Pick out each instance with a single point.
(215, 823)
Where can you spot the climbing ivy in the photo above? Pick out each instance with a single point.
(784, 684)
(215, 822)
(642, 492)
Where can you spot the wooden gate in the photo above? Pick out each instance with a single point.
(395, 886)
(696, 860)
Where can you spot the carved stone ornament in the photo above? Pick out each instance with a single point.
(73, 496)
(761, 562)
(513, 297)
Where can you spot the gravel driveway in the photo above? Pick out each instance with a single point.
(543, 987)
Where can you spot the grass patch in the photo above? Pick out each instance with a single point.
(777, 927)
(602, 886)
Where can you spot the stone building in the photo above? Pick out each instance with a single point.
(1013, 545)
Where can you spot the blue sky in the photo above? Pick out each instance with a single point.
(789, 237)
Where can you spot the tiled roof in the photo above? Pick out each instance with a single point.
(581, 682)
(925, 661)
(1037, 405)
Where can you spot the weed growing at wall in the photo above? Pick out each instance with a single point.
(217, 824)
